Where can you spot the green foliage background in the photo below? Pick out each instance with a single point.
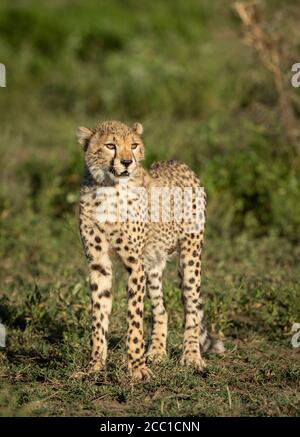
(180, 68)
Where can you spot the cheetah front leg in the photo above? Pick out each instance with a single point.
(100, 277)
(190, 269)
(157, 349)
(135, 334)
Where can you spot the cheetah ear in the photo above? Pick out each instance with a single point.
(84, 135)
(138, 128)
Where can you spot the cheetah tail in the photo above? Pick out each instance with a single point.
(210, 344)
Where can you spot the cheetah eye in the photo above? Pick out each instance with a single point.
(110, 146)
(134, 146)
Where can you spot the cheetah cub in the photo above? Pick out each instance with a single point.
(124, 209)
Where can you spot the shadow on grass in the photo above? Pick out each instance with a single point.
(24, 315)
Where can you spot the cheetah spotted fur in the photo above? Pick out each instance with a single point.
(113, 152)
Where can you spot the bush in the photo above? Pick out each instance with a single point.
(253, 190)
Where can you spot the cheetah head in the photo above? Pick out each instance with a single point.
(112, 148)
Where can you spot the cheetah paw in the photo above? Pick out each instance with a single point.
(141, 373)
(194, 361)
(92, 369)
(156, 355)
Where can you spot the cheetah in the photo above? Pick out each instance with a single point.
(113, 153)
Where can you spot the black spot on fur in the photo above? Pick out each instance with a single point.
(105, 293)
(130, 293)
(131, 260)
(94, 287)
(100, 269)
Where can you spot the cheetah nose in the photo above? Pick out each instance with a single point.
(126, 162)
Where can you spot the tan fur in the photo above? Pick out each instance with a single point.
(143, 246)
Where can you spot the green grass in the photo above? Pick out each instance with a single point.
(251, 298)
(204, 99)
